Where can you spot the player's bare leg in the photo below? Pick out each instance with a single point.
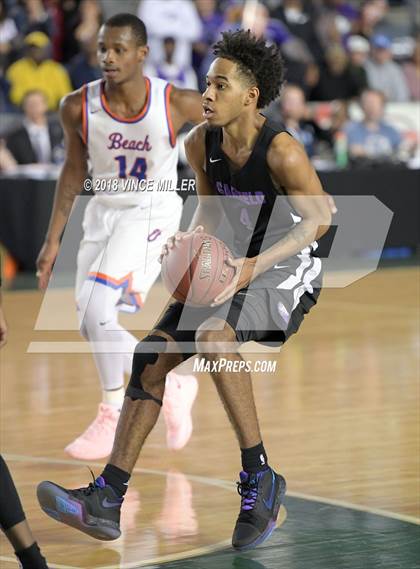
(261, 489)
(234, 388)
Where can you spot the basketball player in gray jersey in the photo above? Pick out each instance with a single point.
(238, 153)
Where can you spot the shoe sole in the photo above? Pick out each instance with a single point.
(63, 508)
(271, 526)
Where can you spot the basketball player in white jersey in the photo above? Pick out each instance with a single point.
(125, 126)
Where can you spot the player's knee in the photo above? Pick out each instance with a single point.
(92, 318)
(151, 351)
(214, 341)
(95, 311)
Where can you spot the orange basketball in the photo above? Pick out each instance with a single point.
(195, 269)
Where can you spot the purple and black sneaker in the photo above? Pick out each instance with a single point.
(94, 510)
(262, 494)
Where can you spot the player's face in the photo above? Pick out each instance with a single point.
(119, 55)
(227, 96)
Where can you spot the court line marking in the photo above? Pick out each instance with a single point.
(225, 484)
(360, 508)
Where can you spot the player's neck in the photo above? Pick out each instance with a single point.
(243, 132)
(132, 93)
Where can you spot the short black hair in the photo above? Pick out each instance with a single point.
(259, 63)
(137, 26)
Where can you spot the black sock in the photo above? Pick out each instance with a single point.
(116, 478)
(254, 459)
(32, 558)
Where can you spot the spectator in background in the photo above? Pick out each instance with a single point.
(372, 138)
(258, 20)
(384, 74)
(302, 50)
(334, 20)
(411, 71)
(31, 16)
(183, 77)
(299, 20)
(8, 34)
(358, 49)
(336, 80)
(171, 18)
(299, 62)
(7, 162)
(84, 67)
(71, 18)
(372, 13)
(295, 116)
(211, 20)
(37, 71)
(37, 140)
(90, 21)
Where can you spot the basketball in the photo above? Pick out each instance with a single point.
(195, 269)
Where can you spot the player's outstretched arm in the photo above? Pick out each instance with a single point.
(69, 184)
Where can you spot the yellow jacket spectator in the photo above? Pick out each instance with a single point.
(38, 72)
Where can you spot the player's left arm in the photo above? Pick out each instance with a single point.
(186, 107)
(290, 169)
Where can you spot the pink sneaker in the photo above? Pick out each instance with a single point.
(96, 442)
(180, 393)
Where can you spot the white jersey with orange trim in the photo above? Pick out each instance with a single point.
(133, 161)
(125, 228)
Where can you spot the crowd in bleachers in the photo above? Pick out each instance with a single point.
(336, 52)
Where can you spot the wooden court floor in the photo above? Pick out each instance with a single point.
(340, 419)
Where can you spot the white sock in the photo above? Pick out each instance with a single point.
(114, 397)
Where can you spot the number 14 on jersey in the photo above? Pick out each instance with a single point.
(137, 171)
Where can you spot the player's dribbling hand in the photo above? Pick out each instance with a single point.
(45, 262)
(170, 243)
(245, 273)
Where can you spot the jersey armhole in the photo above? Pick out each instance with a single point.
(172, 138)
